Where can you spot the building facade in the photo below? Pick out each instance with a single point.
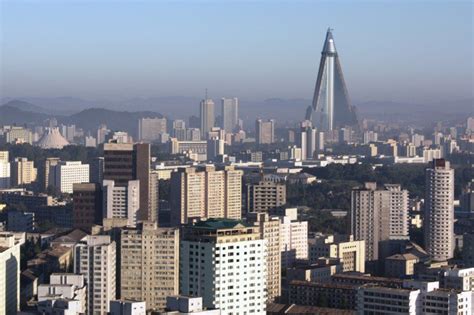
(205, 193)
(149, 264)
(224, 262)
(95, 259)
(439, 210)
(22, 172)
(379, 215)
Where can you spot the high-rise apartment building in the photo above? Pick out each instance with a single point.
(293, 238)
(22, 172)
(96, 171)
(207, 115)
(49, 174)
(87, 205)
(68, 173)
(102, 133)
(265, 195)
(224, 262)
(95, 258)
(149, 264)
(439, 210)
(379, 215)
(9, 274)
(151, 129)
(269, 228)
(265, 131)
(307, 141)
(205, 193)
(4, 170)
(18, 135)
(230, 113)
(124, 162)
(121, 201)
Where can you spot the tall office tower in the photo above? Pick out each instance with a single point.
(331, 99)
(293, 238)
(96, 171)
(215, 147)
(68, 173)
(22, 172)
(230, 113)
(4, 170)
(95, 258)
(124, 162)
(149, 264)
(370, 136)
(49, 172)
(206, 110)
(121, 201)
(379, 215)
(205, 193)
(307, 142)
(265, 131)
(224, 261)
(87, 205)
(269, 228)
(9, 274)
(265, 195)
(439, 211)
(150, 129)
(102, 133)
(320, 142)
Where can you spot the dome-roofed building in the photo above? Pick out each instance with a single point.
(52, 139)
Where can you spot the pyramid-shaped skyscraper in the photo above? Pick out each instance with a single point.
(331, 108)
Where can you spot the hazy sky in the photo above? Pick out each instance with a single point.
(418, 51)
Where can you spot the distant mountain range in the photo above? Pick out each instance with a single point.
(117, 114)
(20, 113)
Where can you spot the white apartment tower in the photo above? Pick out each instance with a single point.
(224, 261)
(205, 193)
(95, 258)
(269, 228)
(230, 113)
(121, 201)
(22, 172)
(439, 210)
(379, 215)
(69, 173)
(149, 264)
(293, 238)
(9, 274)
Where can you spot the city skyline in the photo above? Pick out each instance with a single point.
(157, 56)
